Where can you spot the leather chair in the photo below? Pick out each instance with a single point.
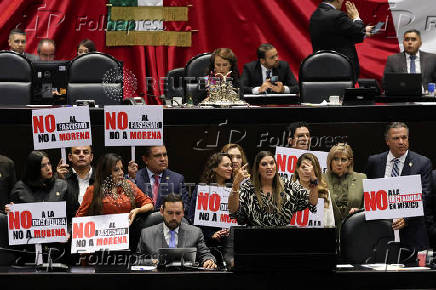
(363, 241)
(195, 70)
(95, 76)
(323, 74)
(15, 79)
(175, 84)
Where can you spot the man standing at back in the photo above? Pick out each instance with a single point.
(81, 174)
(268, 74)
(299, 135)
(412, 59)
(156, 180)
(332, 29)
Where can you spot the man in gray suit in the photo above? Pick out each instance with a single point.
(413, 60)
(172, 233)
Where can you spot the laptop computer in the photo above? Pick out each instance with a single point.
(176, 257)
(359, 96)
(271, 249)
(272, 99)
(403, 85)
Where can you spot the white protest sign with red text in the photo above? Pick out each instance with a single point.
(287, 160)
(61, 127)
(211, 207)
(133, 125)
(103, 232)
(37, 223)
(393, 197)
(308, 219)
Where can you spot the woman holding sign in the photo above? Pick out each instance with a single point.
(217, 171)
(39, 185)
(307, 164)
(266, 199)
(112, 193)
(346, 186)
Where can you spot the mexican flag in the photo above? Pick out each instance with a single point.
(142, 22)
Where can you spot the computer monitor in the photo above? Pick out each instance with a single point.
(49, 81)
(176, 257)
(272, 249)
(403, 85)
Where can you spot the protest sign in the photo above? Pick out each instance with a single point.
(307, 219)
(393, 197)
(61, 127)
(133, 125)
(287, 160)
(37, 223)
(211, 207)
(103, 232)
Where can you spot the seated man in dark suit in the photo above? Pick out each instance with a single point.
(156, 180)
(268, 74)
(17, 43)
(400, 161)
(172, 233)
(412, 59)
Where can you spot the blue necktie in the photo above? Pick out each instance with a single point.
(412, 64)
(172, 243)
(395, 169)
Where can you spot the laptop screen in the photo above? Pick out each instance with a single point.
(403, 84)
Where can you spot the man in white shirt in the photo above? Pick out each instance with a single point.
(412, 59)
(81, 174)
(400, 161)
(172, 233)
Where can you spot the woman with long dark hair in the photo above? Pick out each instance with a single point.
(111, 193)
(266, 199)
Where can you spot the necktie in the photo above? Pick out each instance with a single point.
(395, 169)
(155, 188)
(412, 64)
(172, 243)
(268, 74)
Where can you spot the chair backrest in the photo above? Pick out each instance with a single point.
(6, 257)
(363, 241)
(175, 84)
(15, 79)
(95, 76)
(323, 74)
(196, 69)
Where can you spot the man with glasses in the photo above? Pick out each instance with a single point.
(157, 181)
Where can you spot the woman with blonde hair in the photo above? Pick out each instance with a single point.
(302, 175)
(345, 185)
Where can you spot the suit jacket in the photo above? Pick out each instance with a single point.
(7, 179)
(152, 238)
(171, 182)
(31, 57)
(397, 63)
(252, 76)
(332, 29)
(414, 234)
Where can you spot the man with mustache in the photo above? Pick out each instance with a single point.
(412, 59)
(268, 74)
(400, 161)
(156, 180)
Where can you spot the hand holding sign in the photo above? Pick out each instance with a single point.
(62, 169)
(398, 224)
